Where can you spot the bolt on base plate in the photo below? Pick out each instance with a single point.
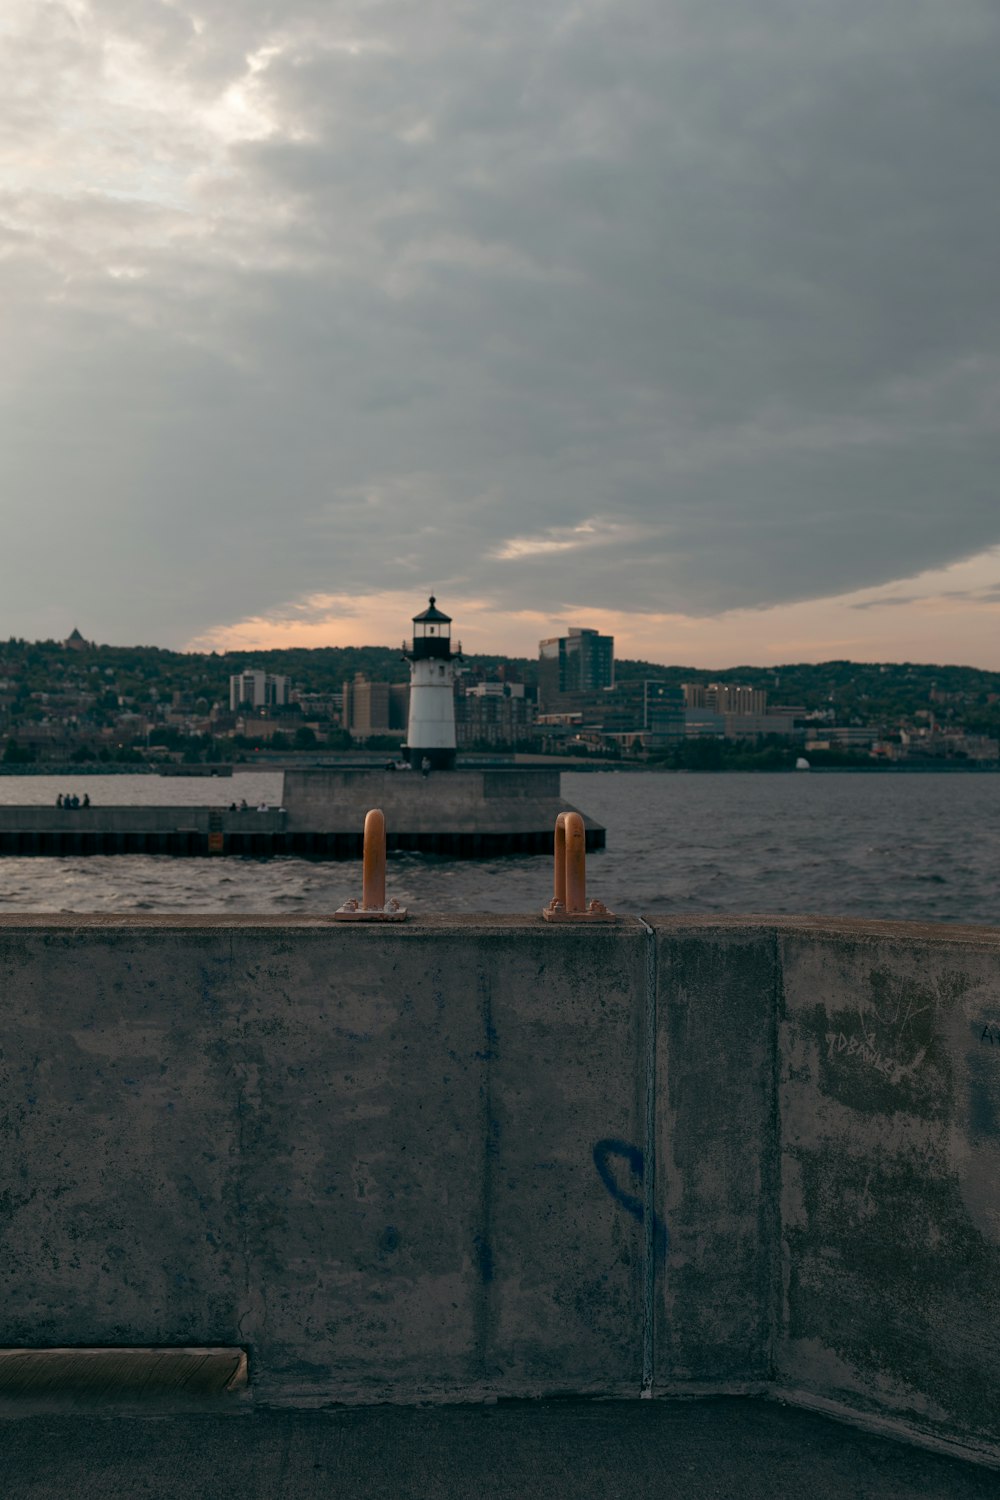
(353, 911)
(596, 911)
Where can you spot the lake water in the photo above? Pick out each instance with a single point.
(915, 847)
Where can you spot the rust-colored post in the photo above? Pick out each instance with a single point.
(373, 871)
(559, 881)
(569, 900)
(576, 863)
(373, 907)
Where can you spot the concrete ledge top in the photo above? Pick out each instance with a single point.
(422, 924)
(415, 925)
(856, 927)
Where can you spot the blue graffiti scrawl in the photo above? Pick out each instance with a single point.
(604, 1151)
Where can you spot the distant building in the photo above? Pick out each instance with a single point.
(320, 706)
(261, 729)
(581, 662)
(737, 710)
(725, 697)
(949, 745)
(753, 726)
(495, 689)
(842, 737)
(374, 707)
(75, 642)
(494, 713)
(662, 711)
(704, 723)
(256, 689)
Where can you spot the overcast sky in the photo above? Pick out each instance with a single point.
(676, 317)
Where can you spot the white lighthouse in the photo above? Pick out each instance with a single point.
(431, 732)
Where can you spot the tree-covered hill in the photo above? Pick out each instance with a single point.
(859, 691)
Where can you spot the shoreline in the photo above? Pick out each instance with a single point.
(226, 770)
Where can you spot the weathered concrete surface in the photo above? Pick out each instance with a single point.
(365, 1154)
(890, 1109)
(138, 819)
(689, 1450)
(884, 1245)
(413, 1162)
(717, 1151)
(449, 801)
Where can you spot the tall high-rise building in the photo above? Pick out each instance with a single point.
(581, 662)
(256, 689)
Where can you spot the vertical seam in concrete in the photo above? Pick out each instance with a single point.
(649, 1172)
(483, 1239)
(775, 1226)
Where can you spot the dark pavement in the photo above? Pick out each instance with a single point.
(690, 1450)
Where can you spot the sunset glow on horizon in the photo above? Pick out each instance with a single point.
(944, 615)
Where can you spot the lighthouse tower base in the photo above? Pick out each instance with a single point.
(440, 759)
(471, 814)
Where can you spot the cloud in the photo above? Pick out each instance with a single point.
(930, 618)
(595, 533)
(345, 301)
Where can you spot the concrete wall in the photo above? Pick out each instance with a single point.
(365, 1153)
(480, 801)
(889, 1079)
(417, 1161)
(137, 819)
(717, 1151)
(828, 1112)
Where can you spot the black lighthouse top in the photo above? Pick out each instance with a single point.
(431, 634)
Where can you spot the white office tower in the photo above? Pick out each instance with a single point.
(431, 732)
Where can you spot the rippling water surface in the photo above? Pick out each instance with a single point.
(912, 846)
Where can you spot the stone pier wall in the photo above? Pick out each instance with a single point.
(489, 1156)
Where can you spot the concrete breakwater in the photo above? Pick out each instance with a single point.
(488, 1156)
(463, 814)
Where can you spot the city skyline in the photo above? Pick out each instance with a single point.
(675, 319)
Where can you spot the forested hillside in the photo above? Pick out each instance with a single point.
(852, 691)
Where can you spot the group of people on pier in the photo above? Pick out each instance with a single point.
(71, 800)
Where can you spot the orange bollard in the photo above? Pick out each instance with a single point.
(569, 900)
(373, 907)
(559, 871)
(373, 865)
(576, 865)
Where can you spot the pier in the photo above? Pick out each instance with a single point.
(462, 1159)
(464, 814)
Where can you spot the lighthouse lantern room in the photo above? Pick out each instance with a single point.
(431, 732)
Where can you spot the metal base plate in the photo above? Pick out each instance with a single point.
(596, 912)
(353, 911)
